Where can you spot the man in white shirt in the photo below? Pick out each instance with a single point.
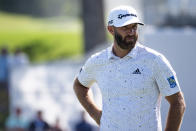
(132, 78)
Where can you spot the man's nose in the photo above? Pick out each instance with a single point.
(131, 31)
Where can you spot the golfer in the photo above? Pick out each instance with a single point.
(132, 78)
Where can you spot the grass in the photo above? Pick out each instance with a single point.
(42, 39)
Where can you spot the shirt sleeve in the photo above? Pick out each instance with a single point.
(86, 76)
(165, 77)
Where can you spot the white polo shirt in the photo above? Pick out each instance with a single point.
(131, 87)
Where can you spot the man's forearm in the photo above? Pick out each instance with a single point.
(175, 116)
(83, 96)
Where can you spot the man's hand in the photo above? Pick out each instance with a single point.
(83, 96)
(176, 111)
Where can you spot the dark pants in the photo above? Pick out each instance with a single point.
(4, 103)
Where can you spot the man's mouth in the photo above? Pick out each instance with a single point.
(130, 38)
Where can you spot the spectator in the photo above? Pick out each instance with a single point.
(83, 125)
(4, 83)
(16, 122)
(4, 68)
(39, 124)
(57, 126)
(19, 58)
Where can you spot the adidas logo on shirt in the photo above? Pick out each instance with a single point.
(137, 71)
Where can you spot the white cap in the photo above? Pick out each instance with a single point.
(122, 16)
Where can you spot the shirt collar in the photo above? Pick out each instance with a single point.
(131, 54)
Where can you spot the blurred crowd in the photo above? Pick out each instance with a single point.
(7, 63)
(16, 121)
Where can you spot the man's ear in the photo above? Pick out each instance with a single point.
(111, 29)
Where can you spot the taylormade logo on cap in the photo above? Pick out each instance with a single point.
(122, 16)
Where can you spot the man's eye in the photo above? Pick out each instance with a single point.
(135, 27)
(124, 28)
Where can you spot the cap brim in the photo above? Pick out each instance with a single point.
(140, 23)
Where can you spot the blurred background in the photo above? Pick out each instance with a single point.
(43, 45)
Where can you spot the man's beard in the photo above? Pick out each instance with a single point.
(123, 43)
